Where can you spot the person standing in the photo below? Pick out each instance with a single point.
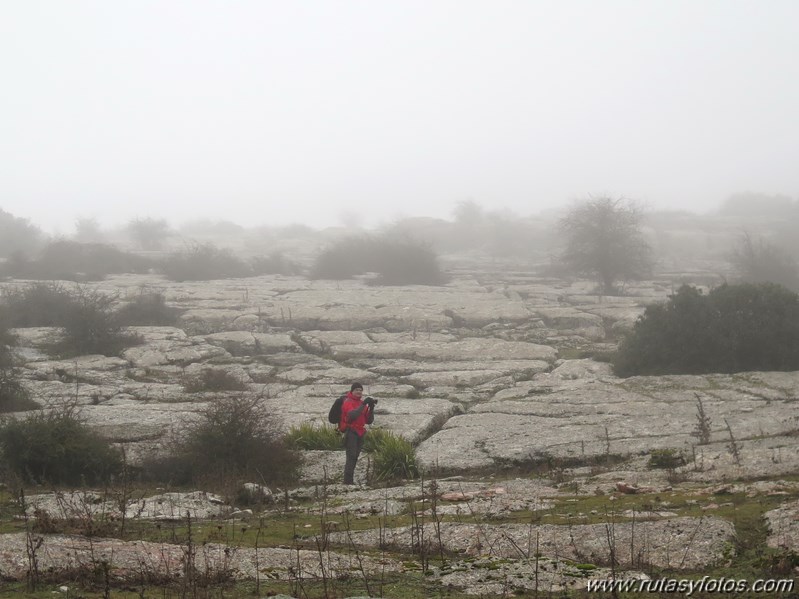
(356, 413)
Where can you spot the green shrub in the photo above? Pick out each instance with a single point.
(91, 327)
(733, 328)
(204, 262)
(393, 456)
(56, 447)
(312, 436)
(74, 261)
(396, 262)
(234, 438)
(214, 379)
(149, 308)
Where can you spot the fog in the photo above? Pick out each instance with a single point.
(323, 113)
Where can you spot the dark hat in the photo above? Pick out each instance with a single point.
(356, 386)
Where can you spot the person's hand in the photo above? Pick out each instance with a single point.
(370, 401)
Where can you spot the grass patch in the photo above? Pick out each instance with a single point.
(214, 379)
(310, 436)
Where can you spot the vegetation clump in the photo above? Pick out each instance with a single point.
(233, 439)
(214, 379)
(54, 446)
(74, 261)
(309, 436)
(395, 262)
(86, 316)
(393, 456)
(604, 241)
(204, 262)
(149, 308)
(733, 328)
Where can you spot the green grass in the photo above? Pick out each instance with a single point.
(310, 436)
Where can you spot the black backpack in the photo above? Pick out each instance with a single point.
(334, 415)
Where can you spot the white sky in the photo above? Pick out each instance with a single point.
(270, 112)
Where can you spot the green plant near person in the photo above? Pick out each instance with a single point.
(310, 436)
(232, 439)
(393, 456)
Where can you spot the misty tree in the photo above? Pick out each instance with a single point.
(149, 233)
(604, 241)
(87, 230)
(17, 235)
(764, 262)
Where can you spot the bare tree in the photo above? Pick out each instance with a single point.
(764, 262)
(604, 241)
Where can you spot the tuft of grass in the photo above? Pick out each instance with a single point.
(393, 456)
(312, 436)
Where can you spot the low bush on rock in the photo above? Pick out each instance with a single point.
(275, 263)
(233, 439)
(204, 262)
(149, 308)
(733, 328)
(13, 396)
(90, 324)
(74, 261)
(396, 262)
(56, 447)
(213, 379)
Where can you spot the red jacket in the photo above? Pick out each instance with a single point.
(360, 422)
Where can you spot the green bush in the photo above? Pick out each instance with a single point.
(234, 438)
(733, 328)
(396, 262)
(204, 262)
(74, 261)
(56, 447)
(393, 456)
(312, 436)
(17, 235)
(149, 308)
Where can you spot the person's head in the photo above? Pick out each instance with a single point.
(356, 389)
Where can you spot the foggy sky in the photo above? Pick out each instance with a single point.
(270, 112)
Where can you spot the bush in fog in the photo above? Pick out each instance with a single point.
(604, 241)
(763, 262)
(204, 262)
(13, 396)
(56, 447)
(234, 438)
(149, 233)
(275, 263)
(73, 261)
(86, 315)
(733, 328)
(17, 235)
(396, 261)
(149, 308)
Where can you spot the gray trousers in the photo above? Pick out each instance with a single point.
(353, 443)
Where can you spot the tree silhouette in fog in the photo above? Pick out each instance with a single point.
(604, 241)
